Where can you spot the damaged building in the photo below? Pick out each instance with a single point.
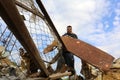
(30, 47)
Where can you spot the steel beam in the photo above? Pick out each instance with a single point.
(29, 9)
(48, 19)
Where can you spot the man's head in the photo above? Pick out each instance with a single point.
(69, 29)
(21, 50)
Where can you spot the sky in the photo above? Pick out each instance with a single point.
(96, 22)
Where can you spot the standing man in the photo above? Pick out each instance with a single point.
(68, 56)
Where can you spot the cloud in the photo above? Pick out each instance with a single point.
(96, 22)
(81, 14)
(116, 21)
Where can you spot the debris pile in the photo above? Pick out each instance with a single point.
(114, 72)
(92, 73)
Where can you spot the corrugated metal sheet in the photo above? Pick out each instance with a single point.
(89, 53)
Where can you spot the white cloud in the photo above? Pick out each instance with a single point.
(81, 14)
(88, 20)
(116, 21)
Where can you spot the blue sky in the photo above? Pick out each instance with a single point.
(96, 22)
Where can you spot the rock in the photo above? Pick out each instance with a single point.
(116, 63)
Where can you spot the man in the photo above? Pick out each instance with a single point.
(25, 61)
(68, 56)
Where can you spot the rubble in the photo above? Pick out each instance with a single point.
(92, 73)
(114, 72)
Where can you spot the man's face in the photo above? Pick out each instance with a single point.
(69, 29)
(21, 50)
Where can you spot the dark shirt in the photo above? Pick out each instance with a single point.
(71, 35)
(68, 56)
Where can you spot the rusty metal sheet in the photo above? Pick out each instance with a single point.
(89, 53)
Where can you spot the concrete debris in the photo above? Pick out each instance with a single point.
(116, 63)
(92, 73)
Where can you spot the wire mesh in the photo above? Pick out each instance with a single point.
(39, 32)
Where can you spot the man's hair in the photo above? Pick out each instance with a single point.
(69, 26)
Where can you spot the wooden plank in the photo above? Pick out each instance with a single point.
(11, 16)
(88, 53)
(29, 9)
(59, 75)
(1, 49)
(37, 78)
